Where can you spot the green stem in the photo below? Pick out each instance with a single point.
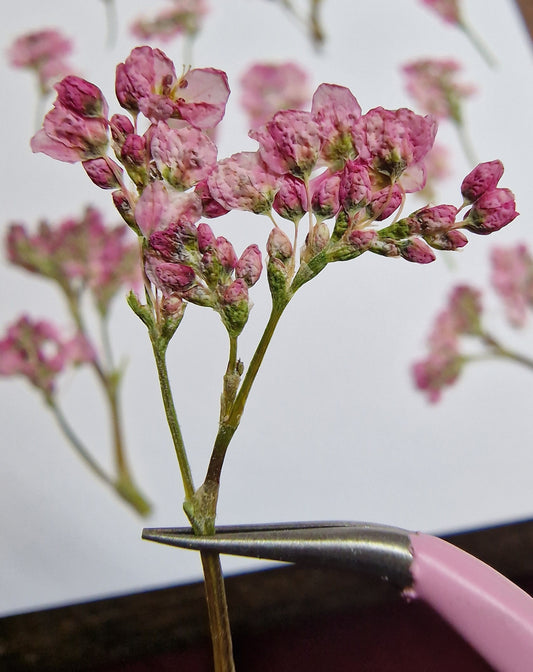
(111, 21)
(171, 415)
(124, 490)
(478, 43)
(466, 143)
(501, 351)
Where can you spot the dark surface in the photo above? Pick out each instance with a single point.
(290, 618)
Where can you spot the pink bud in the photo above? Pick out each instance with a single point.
(81, 97)
(206, 237)
(133, 150)
(325, 195)
(121, 127)
(225, 253)
(355, 187)
(173, 277)
(430, 220)
(123, 205)
(362, 239)
(484, 177)
(236, 292)
(492, 211)
(160, 206)
(101, 173)
(290, 201)
(416, 250)
(249, 265)
(385, 202)
(278, 245)
(210, 207)
(447, 240)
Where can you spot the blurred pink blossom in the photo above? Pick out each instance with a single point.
(268, 88)
(446, 9)
(182, 17)
(512, 278)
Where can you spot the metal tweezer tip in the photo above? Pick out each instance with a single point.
(376, 549)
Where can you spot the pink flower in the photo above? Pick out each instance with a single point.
(337, 112)
(484, 177)
(384, 202)
(42, 51)
(417, 251)
(103, 172)
(268, 88)
(147, 82)
(355, 189)
(249, 265)
(289, 143)
(464, 307)
(210, 207)
(35, 350)
(438, 371)
(512, 278)
(446, 9)
(184, 17)
(76, 128)
(325, 195)
(397, 140)
(493, 210)
(432, 83)
(242, 182)
(183, 156)
(159, 207)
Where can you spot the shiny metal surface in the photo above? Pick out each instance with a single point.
(376, 549)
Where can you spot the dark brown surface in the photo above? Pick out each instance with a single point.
(289, 618)
(526, 7)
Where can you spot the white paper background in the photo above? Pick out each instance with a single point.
(333, 428)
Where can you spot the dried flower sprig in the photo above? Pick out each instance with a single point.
(339, 170)
(452, 13)
(82, 256)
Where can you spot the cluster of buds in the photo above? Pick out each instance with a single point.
(332, 162)
(182, 17)
(44, 52)
(269, 87)
(79, 254)
(37, 351)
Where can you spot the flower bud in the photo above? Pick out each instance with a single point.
(384, 202)
(291, 200)
(325, 195)
(81, 97)
(249, 265)
(173, 277)
(210, 207)
(315, 241)
(492, 211)
(278, 245)
(225, 254)
(355, 187)
(484, 177)
(235, 307)
(123, 206)
(133, 151)
(447, 240)
(206, 237)
(121, 127)
(432, 220)
(416, 250)
(101, 173)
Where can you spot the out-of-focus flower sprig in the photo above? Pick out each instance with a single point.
(182, 18)
(461, 323)
(433, 85)
(343, 173)
(82, 256)
(452, 13)
(270, 87)
(309, 20)
(45, 53)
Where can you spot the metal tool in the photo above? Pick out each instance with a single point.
(488, 610)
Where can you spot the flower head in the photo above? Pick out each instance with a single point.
(183, 18)
(512, 278)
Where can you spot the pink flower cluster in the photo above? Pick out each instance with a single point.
(268, 88)
(37, 351)
(78, 254)
(512, 278)
(182, 17)
(444, 363)
(44, 52)
(332, 162)
(432, 83)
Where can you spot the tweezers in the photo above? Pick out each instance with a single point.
(490, 612)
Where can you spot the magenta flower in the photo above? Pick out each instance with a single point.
(484, 177)
(433, 84)
(147, 82)
(35, 350)
(397, 140)
(512, 278)
(160, 206)
(439, 370)
(183, 18)
(337, 112)
(43, 51)
(183, 156)
(289, 143)
(242, 182)
(76, 128)
(268, 88)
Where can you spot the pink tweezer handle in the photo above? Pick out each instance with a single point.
(488, 610)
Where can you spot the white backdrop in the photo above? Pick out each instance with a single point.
(333, 429)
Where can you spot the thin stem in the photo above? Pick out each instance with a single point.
(111, 21)
(217, 608)
(172, 417)
(466, 144)
(501, 351)
(478, 43)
